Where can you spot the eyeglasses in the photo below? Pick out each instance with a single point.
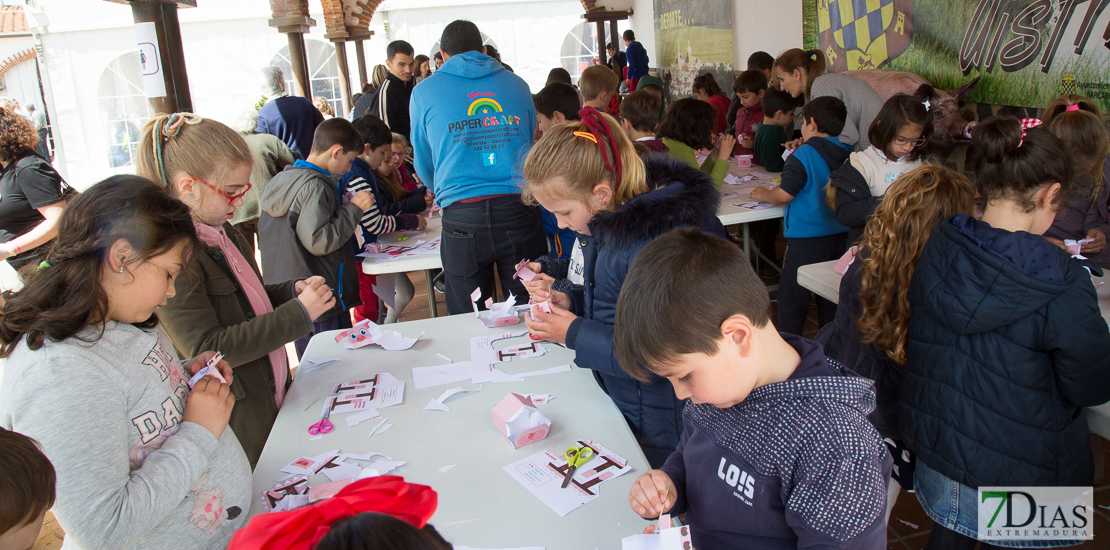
(230, 198)
(906, 141)
(398, 155)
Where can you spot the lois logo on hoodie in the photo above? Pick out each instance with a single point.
(740, 480)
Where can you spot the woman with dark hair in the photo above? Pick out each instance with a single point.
(802, 74)
(32, 193)
(423, 68)
(491, 51)
(558, 74)
(687, 128)
(707, 90)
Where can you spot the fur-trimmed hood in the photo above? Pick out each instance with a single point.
(681, 196)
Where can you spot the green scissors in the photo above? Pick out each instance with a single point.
(576, 456)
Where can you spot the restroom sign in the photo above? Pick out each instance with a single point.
(150, 59)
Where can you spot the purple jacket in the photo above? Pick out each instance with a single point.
(1081, 214)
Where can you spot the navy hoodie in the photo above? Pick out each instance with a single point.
(795, 465)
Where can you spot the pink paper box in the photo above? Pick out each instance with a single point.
(518, 419)
(743, 161)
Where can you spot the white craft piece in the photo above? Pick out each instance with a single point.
(365, 333)
(500, 314)
(518, 419)
(667, 536)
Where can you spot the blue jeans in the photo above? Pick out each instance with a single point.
(480, 236)
(955, 507)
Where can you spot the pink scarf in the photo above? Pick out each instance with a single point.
(252, 287)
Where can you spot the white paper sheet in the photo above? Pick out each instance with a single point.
(379, 392)
(522, 375)
(438, 375)
(541, 475)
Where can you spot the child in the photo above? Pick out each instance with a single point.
(207, 166)
(868, 335)
(26, 490)
(1006, 342)
(776, 451)
(899, 136)
(361, 177)
(598, 85)
(706, 89)
(639, 117)
(778, 115)
(392, 197)
(555, 104)
(152, 464)
(763, 62)
(687, 128)
(589, 175)
(812, 233)
(749, 88)
(306, 229)
(1077, 121)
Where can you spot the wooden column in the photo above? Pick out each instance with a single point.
(614, 37)
(344, 77)
(601, 52)
(298, 57)
(171, 53)
(599, 18)
(360, 55)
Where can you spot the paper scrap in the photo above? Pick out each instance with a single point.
(522, 375)
(315, 364)
(445, 358)
(447, 468)
(366, 332)
(542, 475)
(291, 502)
(437, 404)
(500, 314)
(315, 437)
(375, 428)
(344, 470)
(753, 205)
(908, 523)
(382, 430)
(361, 417)
(327, 490)
(539, 398)
(786, 154)
(381, 468)
(363, 457)
(379, 392)
(438, 375)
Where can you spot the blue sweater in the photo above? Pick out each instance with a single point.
(637, 60)
(292, 119)
(805, 175)
(472, 126)
(795, 465)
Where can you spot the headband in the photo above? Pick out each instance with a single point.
(1027, 123)
(1072, 107)
(168, 126)
(302, 528)
(598, 127)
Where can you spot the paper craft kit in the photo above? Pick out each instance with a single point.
(500, 314)
(846, 260)
(543, 473)
(667, 536)
(1076, 246)
(365, 333)
(518, 419)
(753, 205)
(523, 273)
(383, 390)
(339, 468)
(743, 161)
(209, 369)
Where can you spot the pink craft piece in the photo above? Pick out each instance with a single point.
(518, 419)
(744, 161)
(500, 314)
(846, 260)
(544, 306)
(327, 490)
(359, 336)
(523, 273)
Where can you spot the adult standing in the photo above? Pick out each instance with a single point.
(271, 155)
(391, 101)
(292, 119)
(32, 193)
(472, 127)
(38, 120)
(637, 58)
(802, 73)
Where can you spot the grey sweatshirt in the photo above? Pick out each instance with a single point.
(131, 473)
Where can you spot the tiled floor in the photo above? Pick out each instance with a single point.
(908, 528)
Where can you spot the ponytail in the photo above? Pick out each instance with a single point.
(810, 61)
(186, 144)
(1017, 162)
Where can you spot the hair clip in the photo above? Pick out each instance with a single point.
(927, 105)
(1072, 107)
(1027, 123)
(42, 266)
(586, 135)
(610, 154)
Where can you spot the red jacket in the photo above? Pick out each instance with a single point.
(747, 120)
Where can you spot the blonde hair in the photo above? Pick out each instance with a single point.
(597, 79)
(894, 238)
(186, 144)
(322, 105)
(1082, 131)
(564, 153)
(392, 180)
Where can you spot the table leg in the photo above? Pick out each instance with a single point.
(431, 292)
(747, 240)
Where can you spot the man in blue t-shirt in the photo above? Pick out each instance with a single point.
(472, 127)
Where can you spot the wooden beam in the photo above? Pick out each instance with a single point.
(299, 59)
(344, 77)
(360, 56)
(614, 37)
(171, 54)
(606, 16)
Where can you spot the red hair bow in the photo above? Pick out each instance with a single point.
(302, 528)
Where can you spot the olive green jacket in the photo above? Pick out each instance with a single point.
(212, 313)
(717, 169)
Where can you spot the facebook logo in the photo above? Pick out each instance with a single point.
(489, 159)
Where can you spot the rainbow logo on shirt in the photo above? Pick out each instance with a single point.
(483, 106)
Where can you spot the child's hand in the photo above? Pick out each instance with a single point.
(540, 289)
(747, 142)
(316, 298)
(210, 405)
(553, 326)
(421, 222)
(724, 150)
(793, 144)
(536, 267)
(195, 364)
(757, 193)
(652, 494)
(1098, 244)
(429, 200)
(363, 199)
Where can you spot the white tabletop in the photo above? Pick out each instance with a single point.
(414, 263)
(477, 487)
(821, 278)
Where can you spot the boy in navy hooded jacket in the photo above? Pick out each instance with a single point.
(776, 449)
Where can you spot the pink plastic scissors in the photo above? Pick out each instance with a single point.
(323, 426)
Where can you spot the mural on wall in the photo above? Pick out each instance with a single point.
(1027, 52)
(693, 37)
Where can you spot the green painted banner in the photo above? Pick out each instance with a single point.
(693, 37)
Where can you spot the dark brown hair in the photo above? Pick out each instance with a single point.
(1016, 166)
(27, 481)
(337, 131)
(898, 111)
(17, 136)
(559, 74)
(690, 121)
(708, 83)
(419, 62)
(66, 296)
(761, 61)
(828, 112)
(749, 81)
(641, 110)
(558, 97)
(810, 61)
(1083, 133)
(678, 292)
(775, 100)
(377, 531)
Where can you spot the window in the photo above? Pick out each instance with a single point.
(322, 69)
(580, 48)
(124, 108)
